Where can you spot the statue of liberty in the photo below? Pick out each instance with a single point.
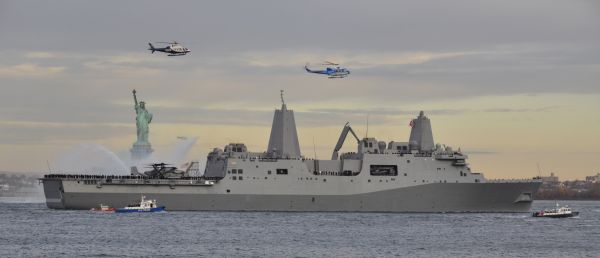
(143, 118)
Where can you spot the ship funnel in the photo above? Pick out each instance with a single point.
(421, 137)
(283, 142)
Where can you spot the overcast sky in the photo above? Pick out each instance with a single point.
(513, 82)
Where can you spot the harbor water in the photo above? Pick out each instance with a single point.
(29, 229)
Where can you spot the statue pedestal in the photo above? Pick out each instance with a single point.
(141, 151)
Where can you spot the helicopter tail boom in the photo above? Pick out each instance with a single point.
(151, 47)
(314, 71)
(306, 68)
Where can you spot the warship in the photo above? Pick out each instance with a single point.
(397, 176)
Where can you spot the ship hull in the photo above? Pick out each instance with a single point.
(433, 197)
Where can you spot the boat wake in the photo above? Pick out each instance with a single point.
(22, 200)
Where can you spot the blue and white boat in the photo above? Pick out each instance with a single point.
(143, 206)
(562, 212)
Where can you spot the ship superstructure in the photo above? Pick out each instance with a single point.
(413, 176)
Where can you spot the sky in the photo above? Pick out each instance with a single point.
(514, 84)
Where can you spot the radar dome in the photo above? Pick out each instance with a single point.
(381, 145)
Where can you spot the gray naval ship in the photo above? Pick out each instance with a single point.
(413, 176)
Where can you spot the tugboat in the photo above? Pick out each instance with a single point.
(562, 212)
(103, 208)
(143, 206)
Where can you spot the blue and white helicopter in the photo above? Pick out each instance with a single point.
(332, 70)
(173, 49)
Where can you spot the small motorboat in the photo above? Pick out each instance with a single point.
(562, 212)
(143, 206)
(103, 208)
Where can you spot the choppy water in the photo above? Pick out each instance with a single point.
(32, 230)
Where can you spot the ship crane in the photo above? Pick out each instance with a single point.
(341, 140)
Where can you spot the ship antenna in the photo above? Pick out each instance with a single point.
(367, 133)
(282, 102)
(539, 170)
(48, 164)
(314, 148)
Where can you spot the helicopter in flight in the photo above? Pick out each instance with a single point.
(332, 70)
(173, 49)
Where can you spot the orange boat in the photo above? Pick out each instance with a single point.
(104, 208)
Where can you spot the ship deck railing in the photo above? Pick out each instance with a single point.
(115, 179)
(512, 180)
(336, 173)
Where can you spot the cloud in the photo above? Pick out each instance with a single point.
(125, 65)
(480, 152)
(520, 110)
(387, 111)
(30, 70)
(354, 59)
(30, 132)
(40, 54)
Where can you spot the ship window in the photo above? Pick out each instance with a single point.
(265, 177)
(234, 178)
(408, 161)
(240, 171)
(269, 172)
(241, 177)
(369, 180)
(405, 174)
(384, 170)
(324, 180)
(370, 145)
(366, 144)
(228, 171)
(228, 190)
(476, 180)
(234, 171)
(282, 171)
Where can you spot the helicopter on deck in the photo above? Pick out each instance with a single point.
(160, 170)
(332, 70)
(173, 49)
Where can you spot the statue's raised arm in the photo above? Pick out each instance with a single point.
(135, 101)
